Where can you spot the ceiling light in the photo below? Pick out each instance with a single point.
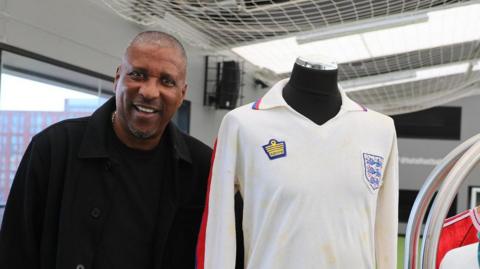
(356, 28)
(404, 77)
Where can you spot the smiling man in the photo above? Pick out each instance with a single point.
(123, 188)
(150, 86)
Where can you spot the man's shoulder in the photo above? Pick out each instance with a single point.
(68, 128)
(197, 147)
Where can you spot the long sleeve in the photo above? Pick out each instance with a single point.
(22, 222)
(217, 240)
(386, 222)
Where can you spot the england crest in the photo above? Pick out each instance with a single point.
(373, 170)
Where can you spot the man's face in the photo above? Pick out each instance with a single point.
(149, 87)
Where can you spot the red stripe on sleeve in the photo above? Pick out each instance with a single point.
(203, 228)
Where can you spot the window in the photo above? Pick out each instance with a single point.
(182, 117)
(36, 92)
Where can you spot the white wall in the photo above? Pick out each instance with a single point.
(78, 32)
(205, 121)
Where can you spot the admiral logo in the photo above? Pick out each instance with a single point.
(275, 149)
(373, 169)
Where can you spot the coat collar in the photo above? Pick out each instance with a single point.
(273, 98)
(93, 144)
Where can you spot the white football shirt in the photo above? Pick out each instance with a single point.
(315, 196)
(465, 257)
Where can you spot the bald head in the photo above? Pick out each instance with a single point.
(158, 38)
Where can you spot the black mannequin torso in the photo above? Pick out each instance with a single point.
(313, 93)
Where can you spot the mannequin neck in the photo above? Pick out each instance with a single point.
(313, 93)
(318, 82)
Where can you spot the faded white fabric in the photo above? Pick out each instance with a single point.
(463, 257)
(313, 208)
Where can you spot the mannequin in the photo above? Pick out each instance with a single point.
(312, 197)
(312, 90)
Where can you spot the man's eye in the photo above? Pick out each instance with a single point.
(135, 75)
(168, 82)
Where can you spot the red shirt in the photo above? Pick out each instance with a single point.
(458, 231)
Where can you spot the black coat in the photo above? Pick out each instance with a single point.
(60, 196)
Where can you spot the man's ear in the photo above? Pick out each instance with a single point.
(183, 93)
(117, 77)
(184, 90)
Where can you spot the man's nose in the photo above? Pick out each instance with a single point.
(150, 89)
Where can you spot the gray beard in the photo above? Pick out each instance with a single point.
(139, 134)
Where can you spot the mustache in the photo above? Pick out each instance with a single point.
(153, 104)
